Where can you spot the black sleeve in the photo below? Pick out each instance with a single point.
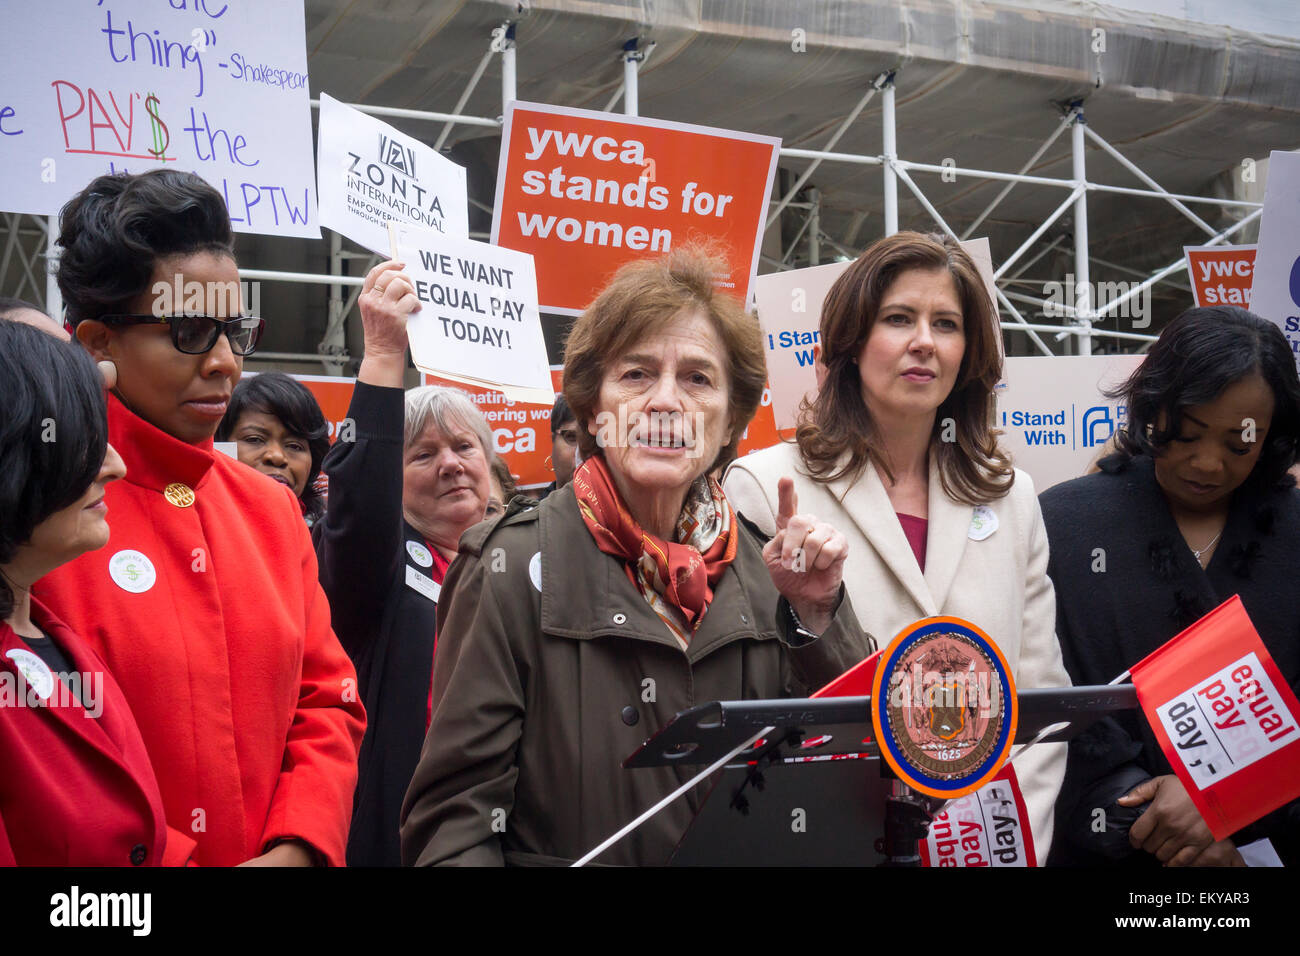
(1104, 761)
(359, 539)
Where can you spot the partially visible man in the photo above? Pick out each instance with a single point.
(564, 443)
(19, 310)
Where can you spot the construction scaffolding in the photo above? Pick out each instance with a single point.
(30, 239)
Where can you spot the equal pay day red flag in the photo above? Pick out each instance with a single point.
(1225, 718)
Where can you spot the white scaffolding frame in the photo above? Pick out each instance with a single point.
(1079, 316)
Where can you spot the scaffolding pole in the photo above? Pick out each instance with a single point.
(631, 88)
(464, 97)
(934, 214)
(1082, 291)
(508, 68)
(775, 214)
(1012, 184)
(890, 145)
(1124, 161)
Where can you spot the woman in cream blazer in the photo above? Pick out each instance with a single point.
(920, 369)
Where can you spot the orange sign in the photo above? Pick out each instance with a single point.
(762, 431)
(1221, 275)
(521, 434)
(333, 394)
(585, 192)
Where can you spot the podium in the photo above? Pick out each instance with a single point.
(812, 789)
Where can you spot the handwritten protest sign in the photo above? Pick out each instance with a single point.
(369, 173)
(585, 192)
(1221, 275)
(478, 323)
(217, 88)
(1276, 293)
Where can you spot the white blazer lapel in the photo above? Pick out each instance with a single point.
(946, 538)
(867, 504)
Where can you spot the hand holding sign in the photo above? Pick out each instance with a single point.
(806, 561)
(1171, 828)
(386, 299)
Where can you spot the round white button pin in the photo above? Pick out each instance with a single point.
(419, 554)
(983, 522)
(535, 571)
(132, 571)
(34, 670)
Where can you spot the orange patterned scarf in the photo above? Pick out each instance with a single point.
(675, 577)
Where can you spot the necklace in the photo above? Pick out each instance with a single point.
(1201, 551)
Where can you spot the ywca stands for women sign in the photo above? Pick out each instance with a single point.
(585, 192)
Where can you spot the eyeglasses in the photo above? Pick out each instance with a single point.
(196, 333)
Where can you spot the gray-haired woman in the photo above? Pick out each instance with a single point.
(404, 486)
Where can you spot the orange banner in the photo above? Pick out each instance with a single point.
(1221, 275)
(585, 192)
(521, 433)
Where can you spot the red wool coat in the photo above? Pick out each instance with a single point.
(206, 606)
(76, 786)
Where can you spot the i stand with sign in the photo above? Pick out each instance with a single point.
(812, 782)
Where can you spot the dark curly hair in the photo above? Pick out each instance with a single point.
(1197, 356)
(114, 231)
(275, 393)
(53, 433)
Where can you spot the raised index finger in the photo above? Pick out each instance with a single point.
(787, 502)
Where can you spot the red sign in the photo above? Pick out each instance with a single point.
(585, 192)
(1221, 275)
(989, 827)
(1225, 718)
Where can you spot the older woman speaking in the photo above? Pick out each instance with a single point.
(573, 630)
(404, 486)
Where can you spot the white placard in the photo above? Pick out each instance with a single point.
(369, 173)
(1052, 414)
(789, 313)
(1276, 293)
(218, 87)
(479, 322)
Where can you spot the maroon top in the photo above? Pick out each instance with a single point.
(915, 529)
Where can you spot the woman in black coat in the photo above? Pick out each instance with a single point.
(1197, 506)
(407, 477)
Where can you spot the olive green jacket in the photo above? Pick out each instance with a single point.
(551, 668)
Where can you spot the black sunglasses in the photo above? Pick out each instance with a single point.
(195, 333)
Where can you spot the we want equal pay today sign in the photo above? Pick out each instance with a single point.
(478, 323)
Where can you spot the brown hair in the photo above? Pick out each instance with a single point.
(972, 469)
(641, 298)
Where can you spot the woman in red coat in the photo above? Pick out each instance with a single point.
(207, 607)
(76, 786)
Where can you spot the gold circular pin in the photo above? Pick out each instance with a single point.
(178, 494)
